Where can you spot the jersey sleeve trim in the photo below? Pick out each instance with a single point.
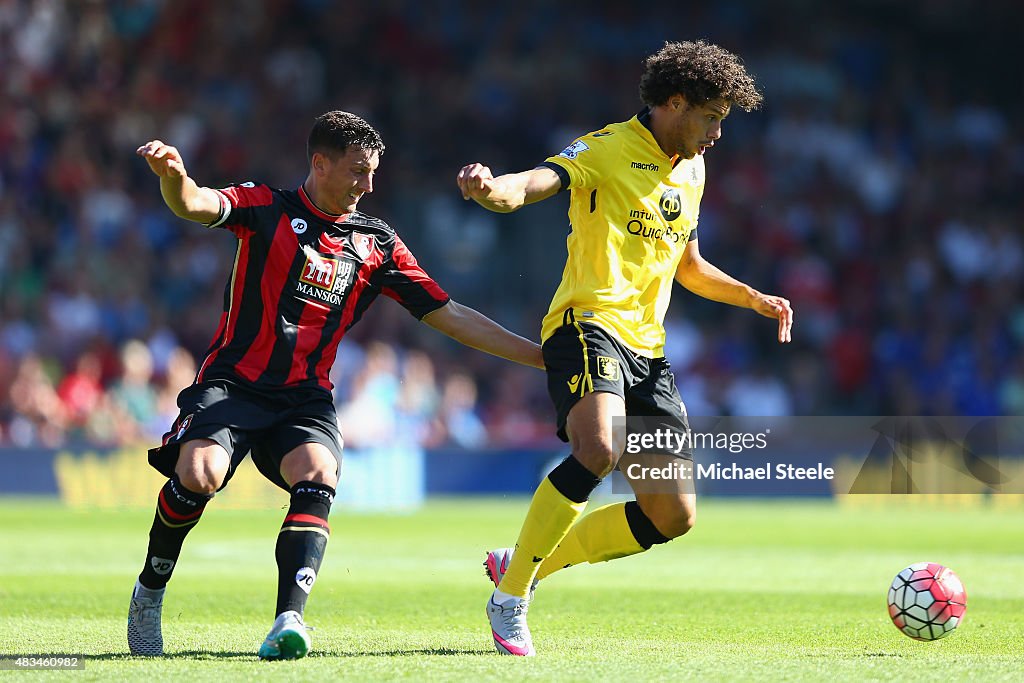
(248, 195)
(225, 211)
(405, 281)
(424, 311)
(693, 235)
(563, 175)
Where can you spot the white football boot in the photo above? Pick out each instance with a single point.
(287, 639)
(145, 637)
(508, 626)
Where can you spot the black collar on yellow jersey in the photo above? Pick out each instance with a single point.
(644, 117)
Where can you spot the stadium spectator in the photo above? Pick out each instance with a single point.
(38, 414)
(81, 389)
(370, 413)
(460, 425)
(134, 393)
(179, 372)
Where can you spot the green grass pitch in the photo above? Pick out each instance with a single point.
(758, 591)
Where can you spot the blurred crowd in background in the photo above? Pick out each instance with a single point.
(879, 190)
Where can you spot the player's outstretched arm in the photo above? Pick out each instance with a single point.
(508, 192)
(472, 328)
(704, 279)
(181, 194)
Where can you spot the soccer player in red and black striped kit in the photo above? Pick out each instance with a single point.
(307, 266)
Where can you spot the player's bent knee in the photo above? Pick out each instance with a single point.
(327, 477)
(204, 480)
(680, 524)
(316, 473)
(310, 462)
(599, 460)
(597, 455)
(202, 467)
(673, 521)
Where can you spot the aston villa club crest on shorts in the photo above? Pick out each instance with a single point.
(608, 368)
(362, 244)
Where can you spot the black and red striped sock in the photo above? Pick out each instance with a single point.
(177, 511)
(301, 544)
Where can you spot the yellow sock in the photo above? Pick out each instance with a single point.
(550, 516)
(602, 535)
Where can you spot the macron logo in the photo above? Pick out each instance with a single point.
(651, 166)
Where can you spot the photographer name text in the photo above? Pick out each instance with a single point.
(729, 471)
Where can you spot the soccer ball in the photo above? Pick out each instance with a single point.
(927, 601)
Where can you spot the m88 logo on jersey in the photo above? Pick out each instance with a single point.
(319, 271)
(324, 278)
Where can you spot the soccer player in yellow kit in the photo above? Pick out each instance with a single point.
(635, 194)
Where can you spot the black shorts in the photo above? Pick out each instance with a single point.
(581, 358)
(269, 424)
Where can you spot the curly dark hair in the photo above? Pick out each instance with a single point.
(700, 72)
(334, 131)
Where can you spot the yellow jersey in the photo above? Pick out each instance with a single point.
(632, 210)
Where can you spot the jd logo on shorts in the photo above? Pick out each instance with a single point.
(608, 368)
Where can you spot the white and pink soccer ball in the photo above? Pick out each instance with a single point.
(927, 601)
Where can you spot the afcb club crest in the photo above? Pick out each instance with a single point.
(362, 244)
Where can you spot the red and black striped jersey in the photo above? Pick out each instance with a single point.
(301, 278)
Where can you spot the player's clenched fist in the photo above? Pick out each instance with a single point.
(474, 180)
(163, 159)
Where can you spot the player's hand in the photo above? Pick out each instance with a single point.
(163, 160)
(475, 181)
(778, 308)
